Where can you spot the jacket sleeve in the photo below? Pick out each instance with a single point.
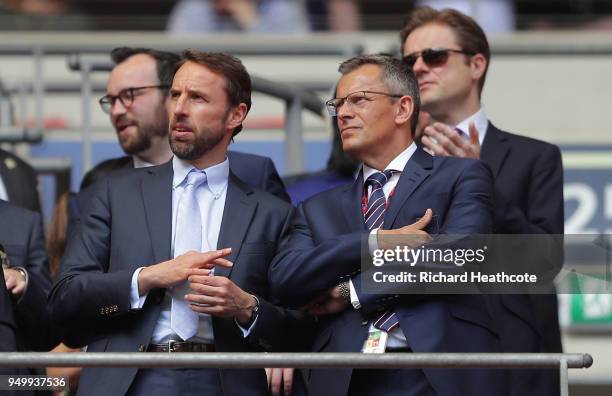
(36, 330)
(545, 210)
(279, 328)
(8, 342)
(303, 268)
(85, 292)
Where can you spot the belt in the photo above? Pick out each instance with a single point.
(181, 346)
(398, 350)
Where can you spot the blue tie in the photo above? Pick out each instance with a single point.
(374, 218)
(183, 321)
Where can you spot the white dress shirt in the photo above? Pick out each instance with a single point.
(3, 193)
(480, 122)
(138, 163)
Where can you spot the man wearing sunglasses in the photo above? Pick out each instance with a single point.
(450, 55)
(136, 103)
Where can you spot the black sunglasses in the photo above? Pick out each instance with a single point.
(433, 56)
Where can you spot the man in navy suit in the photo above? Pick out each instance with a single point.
(130, 283)
(449, 55)
(377, 106)
(26, 276)
(136, 103)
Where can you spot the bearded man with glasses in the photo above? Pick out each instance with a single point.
(449, 55)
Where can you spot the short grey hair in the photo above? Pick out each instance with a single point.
(396, 75)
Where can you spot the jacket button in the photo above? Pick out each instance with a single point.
(364, 322)
(141, 348)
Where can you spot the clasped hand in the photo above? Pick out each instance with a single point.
(331, 301)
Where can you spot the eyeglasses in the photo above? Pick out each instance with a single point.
(354, 99)
(433, 57)
(125, 96)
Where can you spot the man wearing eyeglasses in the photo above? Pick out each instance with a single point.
(400, 190)
(450, 55)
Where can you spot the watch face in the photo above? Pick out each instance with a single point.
(345, 291)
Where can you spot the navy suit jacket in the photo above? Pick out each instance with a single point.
(528, 177)
(20, 181)
(22, 236)
(324, 247)
(8, 341)
(127, 225)
(7, 321)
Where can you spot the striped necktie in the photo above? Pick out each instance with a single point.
(374, 218)
(377, 203)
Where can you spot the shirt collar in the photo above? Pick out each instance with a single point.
(398, 163)
(216, 175)
(138, 163)
(480, 121)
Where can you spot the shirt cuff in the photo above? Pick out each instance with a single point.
(136, 301)
(354, 299)
(247, 332)
(373, 241)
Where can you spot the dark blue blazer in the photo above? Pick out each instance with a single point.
(21, 234)
(128, 224)
(324, 246)
(528, 176)
(8, 342)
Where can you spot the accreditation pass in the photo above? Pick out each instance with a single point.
(32, 382)
(376, 341)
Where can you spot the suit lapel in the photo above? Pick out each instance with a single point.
(495, 149)
(157, 198)
(10, 178)
(417, 169)
(351, 204)
(237, 214)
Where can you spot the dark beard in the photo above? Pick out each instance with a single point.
(203, 143)
(142, 143)
(145, 135)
